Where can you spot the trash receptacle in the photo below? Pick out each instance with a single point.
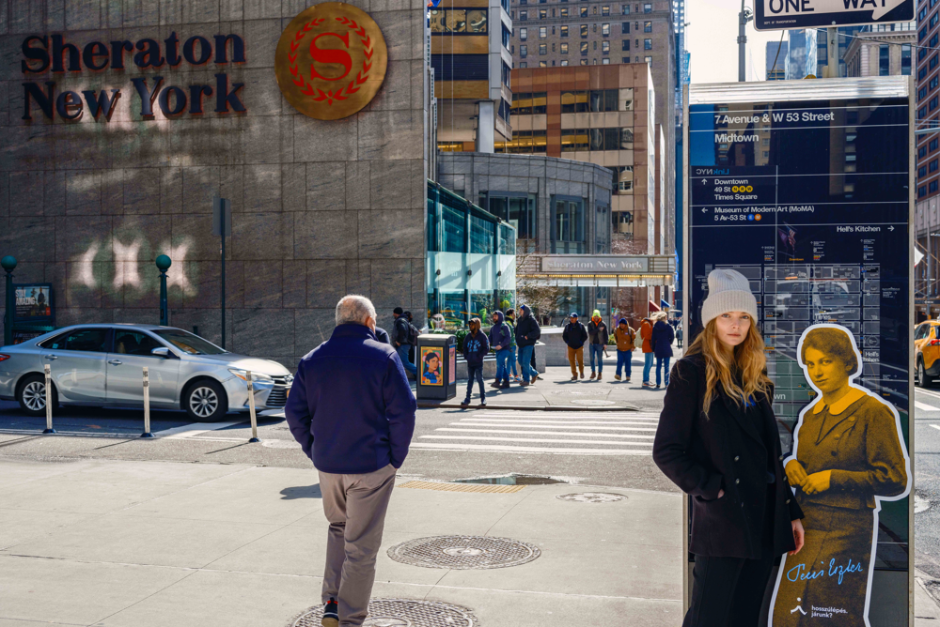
(437, 366)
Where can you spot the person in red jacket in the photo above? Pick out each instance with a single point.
(646, 333)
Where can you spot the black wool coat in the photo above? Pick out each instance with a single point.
(724, 451)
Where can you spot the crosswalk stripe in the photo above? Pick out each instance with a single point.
(556, 433)
(555, 414)
(566, 421)
(554, 426)
(925, 406)
(492, 448)
(536, 440)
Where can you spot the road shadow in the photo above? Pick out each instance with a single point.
(302, 492)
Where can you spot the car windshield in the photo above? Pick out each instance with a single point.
(189, 343)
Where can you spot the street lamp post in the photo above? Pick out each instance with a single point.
(745, 16)
(163, 264)
(9, 264)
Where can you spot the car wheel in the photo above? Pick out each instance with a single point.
(922, 379)
(206, 401)
(31, 395)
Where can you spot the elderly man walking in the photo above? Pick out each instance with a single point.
(353, 412)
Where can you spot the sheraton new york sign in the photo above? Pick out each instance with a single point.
(43, 54)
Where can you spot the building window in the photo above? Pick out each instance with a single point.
(647, 27)
(553, 50)
(647, 44)
(507, 36)
(922, 152)
(584, 31)
(523, 51)
(906, 59)
(567, 224)
(584, 62)
(523, 15)
(933, 165)
(519, 211)
(625, 28)
(648, 7)
(564, 12)
(921, 191)
(605, 30)
(933, 187)
(625, 46)
(543, 32)
(934, 82)
(932, 145)
(543, 50)
(649, 61)
(883, 67)
(933, 103)
(921, 93)
(594, 10)
(922, 74)
(564, 30)
(564, 63)
(921, 171)
(564, 47)
(934, 40)
(523, 34)
(543, 64)
(595, 45)
(922, 113)
(458, 21)
(625, 60)
(605, 61)
(934, 19)
(543, 13)
(605, 47)
(595, 28)
(584, 12)
(624, 9)
(584, 48)
(605, 10)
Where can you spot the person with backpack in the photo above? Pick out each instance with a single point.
(646, 333)
(597, 342)
(404, 336)
(528, 333)
(662, 338)
(500, 339)
(574, 336)
(511, 322)
(626, 342)
(475, 348)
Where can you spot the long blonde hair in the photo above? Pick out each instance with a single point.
(747, 358)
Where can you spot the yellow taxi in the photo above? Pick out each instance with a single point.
(927, 351)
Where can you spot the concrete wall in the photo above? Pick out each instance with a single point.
(320, 208)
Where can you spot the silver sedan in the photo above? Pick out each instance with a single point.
(102, 365)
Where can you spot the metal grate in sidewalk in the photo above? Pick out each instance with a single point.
(462, 487)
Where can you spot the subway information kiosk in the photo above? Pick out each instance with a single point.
(806, 189)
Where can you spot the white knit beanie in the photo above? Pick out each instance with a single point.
(728, 290)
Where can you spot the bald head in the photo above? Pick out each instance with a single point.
(355, 309)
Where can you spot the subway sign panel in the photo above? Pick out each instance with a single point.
(42, 54)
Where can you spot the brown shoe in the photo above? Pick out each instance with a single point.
(617, 376)
(582, 374)
(599, 375)
(574, 377)
(524, 384)
(593, 375)
(495, 384)
(535, 378)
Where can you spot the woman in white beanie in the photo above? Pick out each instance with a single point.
(717, 440)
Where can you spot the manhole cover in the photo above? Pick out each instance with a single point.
(401, 613)
(592, 402)
(464, 552)
(592, 497)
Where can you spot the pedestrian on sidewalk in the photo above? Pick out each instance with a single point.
(597, 343)
(353, 413)
(500, 339)
(511, 322)
(528, 333)
(475, 348)
(663, 335)
(402, 338)
(625, 337)
(646, 334)
(718, 441)
(575, 335)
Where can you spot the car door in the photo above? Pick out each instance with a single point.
(919, 334)
(931, 345)
(77, 364)
(133, 350)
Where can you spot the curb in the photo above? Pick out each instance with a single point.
(426, 404)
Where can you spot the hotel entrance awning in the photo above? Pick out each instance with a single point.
(598, 270)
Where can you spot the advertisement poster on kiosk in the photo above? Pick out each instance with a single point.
(807, 191)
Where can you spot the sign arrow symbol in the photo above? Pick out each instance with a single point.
(879, 8)
(704, 181)
(704, 210)
(890, 228)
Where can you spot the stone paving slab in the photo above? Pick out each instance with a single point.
(153, 543)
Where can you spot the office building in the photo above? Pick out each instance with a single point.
(882, 53)
(927, 211)
(471, 60)
(801, 54)
(776, 60)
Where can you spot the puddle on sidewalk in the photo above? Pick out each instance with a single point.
(512, 479)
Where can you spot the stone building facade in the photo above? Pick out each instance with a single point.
(320, 208)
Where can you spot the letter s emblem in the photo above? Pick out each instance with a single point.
(333, 56)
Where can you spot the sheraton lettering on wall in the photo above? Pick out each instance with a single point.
(53, 53)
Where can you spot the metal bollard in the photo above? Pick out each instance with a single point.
(251, 410)
(146, 433)
(48, 372)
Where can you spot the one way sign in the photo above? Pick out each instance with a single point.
(786, 14)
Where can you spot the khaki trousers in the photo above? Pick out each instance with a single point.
(355, 506)
(576, 354)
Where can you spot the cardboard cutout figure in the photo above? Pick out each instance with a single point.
(848, 456)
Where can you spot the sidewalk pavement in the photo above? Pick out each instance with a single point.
(926, 610)
(555, 391)
(142, 544)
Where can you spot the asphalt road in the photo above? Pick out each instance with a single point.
(926, 484)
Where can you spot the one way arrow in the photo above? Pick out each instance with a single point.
(879, 8)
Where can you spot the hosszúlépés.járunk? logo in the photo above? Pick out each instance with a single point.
(331, 61)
